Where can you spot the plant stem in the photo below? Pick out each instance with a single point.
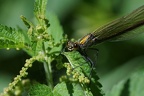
(48, 72)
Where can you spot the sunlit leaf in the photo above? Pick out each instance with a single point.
(56, 31)
(83, 67)
(40, 7)
(11, 38)
(132, 86)
(69, 89)
(40, 90)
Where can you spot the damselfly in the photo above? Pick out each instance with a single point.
(131, 23)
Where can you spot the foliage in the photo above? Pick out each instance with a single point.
(130, 87)
(43, 41)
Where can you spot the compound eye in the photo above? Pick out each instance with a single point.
(71, 46)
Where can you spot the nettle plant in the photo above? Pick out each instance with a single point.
(43, 41)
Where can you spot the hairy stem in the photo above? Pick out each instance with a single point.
(48, 72)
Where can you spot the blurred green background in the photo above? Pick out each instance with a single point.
(116, 60)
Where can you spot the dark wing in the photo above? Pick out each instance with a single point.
(124, 25)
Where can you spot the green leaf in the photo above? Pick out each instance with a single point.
(116, 90)
(26, 22)
(56, 31)
(137, 83)
(40, 90)
(56, 94)
(69, 89)
(76, 60)
(132, 86)
(80, 65)
(40, 7)
(11, 38)
(39, 11)
(55, 43)
(36, 48)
